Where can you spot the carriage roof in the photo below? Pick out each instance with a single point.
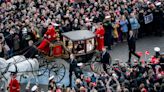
(79, 35)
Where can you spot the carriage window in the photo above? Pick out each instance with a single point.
(68, 43)
(79, 47)
(90, 45)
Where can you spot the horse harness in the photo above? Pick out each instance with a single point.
(16, 68)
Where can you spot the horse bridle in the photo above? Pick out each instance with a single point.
(5, 71)
(8, 68)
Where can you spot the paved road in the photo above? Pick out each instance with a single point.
(119, 51)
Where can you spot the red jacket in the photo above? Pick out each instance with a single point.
(100, 31)
(100, 38)
(49, 36)
(14, 85)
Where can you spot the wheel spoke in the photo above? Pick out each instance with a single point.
(58, 70)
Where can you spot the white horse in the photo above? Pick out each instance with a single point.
(23, 66)
(17, 58)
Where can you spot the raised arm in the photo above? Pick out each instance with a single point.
(108, 83)
(118, 84)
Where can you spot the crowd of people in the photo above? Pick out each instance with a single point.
(139, 78)
(24, 22)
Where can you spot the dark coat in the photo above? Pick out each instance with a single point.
(73, 65)
(105, 58)
(108, 33)
(74, 68)
(161, 62)
(75, 27)
(129, 25)
(31, 52)
(132, 43)
(24, 38)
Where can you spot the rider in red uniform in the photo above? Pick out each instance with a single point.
(49, 36)
(100, 37)
(14, 85)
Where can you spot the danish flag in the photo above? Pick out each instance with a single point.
(147, 52)
(139, 53)
(72, 1)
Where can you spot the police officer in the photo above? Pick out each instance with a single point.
(105, 59)
(73, 64)
(74, 67)
(132, 46)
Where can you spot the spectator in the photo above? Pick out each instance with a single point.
(26, 21)
(134, 25)
(108, 32)
(4, 48)
(124, 27)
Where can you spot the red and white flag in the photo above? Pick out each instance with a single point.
(72, 1)
(147, 52)
(140, 54)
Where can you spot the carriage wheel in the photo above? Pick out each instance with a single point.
(58, 70)
(43, 65)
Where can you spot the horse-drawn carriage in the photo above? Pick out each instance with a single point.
(81, 43)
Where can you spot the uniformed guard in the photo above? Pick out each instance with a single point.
(35, 88)
(51, 85)
(14, 85)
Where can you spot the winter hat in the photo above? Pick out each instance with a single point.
(24, 31)
(156, 49)
(52, 77)
(34, 88)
